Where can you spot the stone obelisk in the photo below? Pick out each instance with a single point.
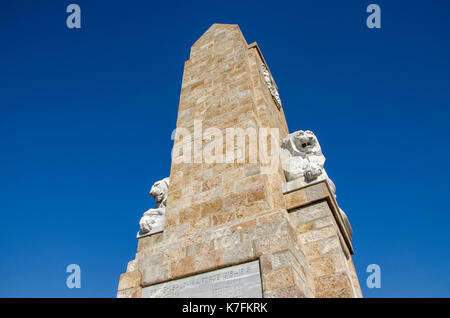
(248, 210)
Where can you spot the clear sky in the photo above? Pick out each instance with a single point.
(87, 115)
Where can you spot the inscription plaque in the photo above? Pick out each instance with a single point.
(239, 281)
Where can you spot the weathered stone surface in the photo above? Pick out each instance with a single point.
(239, 253)
(302, 228)
(318, 191)
(265, 262)
(311, 249)
(155, 274)
(130, 280)
(284, 277)
(213, 206)
(135, 292)
(338, 260)
(330, 244)
(280, 259)
(242, 226)
(208, 261)
(341, 293)
(334, 282)
(317, 235)
(301, 183)
(148, 241)
(286, 292)
(309, 213)
(321, 266)
(182, 267)
(295, 199)
(272, 243)
(323, 222)
(253, 170)
(155, 258)
(132, 266)
(190, 214)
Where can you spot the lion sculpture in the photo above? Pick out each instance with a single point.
(302, 156)
(153, 220)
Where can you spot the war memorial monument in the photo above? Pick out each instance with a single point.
(248, 209)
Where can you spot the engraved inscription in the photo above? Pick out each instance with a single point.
(239, 281)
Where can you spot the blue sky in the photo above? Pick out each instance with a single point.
(87, 115)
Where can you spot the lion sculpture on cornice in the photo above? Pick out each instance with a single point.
(302, 156)
(153, 220)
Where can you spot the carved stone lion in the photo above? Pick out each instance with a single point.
(302, 156)
(153, 220)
